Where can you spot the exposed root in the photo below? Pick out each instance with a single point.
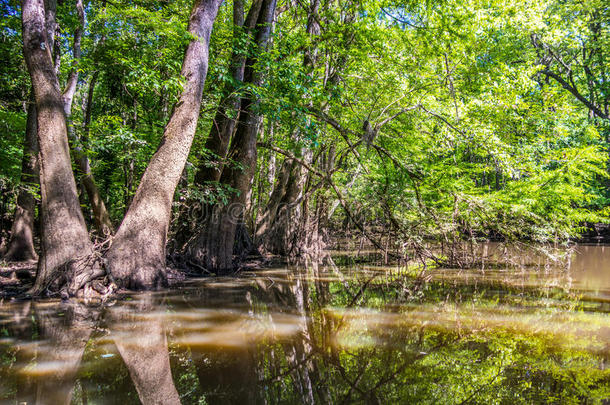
(76, 277)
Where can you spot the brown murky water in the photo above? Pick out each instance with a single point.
(537, 331)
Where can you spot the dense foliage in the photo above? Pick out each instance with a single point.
(437, 119)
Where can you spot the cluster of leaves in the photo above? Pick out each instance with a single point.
(474, 141)
(484, 146)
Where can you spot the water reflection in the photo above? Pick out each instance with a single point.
(139, 336)
(321, 333)
(590, 268)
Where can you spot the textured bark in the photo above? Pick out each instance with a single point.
(277, 232)
(21, 243)
(100, 214)
(213, 245)
(275, 199)
(223, 125)
(64, 234)
(136, 258)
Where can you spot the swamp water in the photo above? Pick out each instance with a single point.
(325, 333)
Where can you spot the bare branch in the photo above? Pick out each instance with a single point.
(390, 118)
(443, 119)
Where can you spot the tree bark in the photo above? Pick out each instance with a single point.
(223, 125)
(64, 234)
(136, 258)
(279, 233)
(213, 245)
(21, 243)
(275, 199)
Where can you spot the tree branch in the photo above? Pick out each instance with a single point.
(70, 89)
(329, 181)
(589, 104)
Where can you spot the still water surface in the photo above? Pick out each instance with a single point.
(531, 332)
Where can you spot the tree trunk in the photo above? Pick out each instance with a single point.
(136, 258)
(223, 125)
(213, 246)
(279, 233)
(275, 199)
(100, 214)
(281, 229)
(64, 234)
(21, 244)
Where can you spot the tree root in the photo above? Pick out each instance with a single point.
(83, 277)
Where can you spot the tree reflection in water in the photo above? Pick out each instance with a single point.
(319, 334)
(139, 336)
(50, 363)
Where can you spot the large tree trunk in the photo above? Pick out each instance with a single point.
(21, 244)
(223, 125)
(136, 258)
(64, 234)
(213, 246)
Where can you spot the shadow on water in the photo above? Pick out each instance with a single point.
(322, 333)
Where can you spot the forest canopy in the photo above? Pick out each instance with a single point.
(204, 130)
